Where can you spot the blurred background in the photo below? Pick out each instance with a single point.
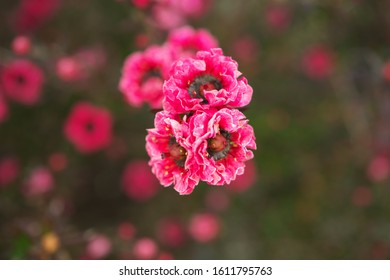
(318, 187)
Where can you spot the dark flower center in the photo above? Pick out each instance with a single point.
(20, 79)
(176, 152)
(219, 146)
(152, 73)
(203, 83)
(89, 126)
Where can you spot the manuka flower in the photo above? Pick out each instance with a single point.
(209, 80)
(89, 127)
(170, 153)
(143, 75)
(220, 144)
(22, 81)
(188, 41)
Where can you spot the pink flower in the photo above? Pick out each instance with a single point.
(88, 127)
(379, 168)
(3, 108)
(245, 49)
(126, 231)
(204, 227)
(245, 181)
(191, 8)
(145, 249)
(221, 142)
(31, 14)
(9, 170)
(58, 161)
(278, 17)
(21, 45)
(22, 81)
(98, 247)
(69, 69)
(142, 4)
(189, 41)
(170, 153)
(40, 181)
(209, 80)
(143, 75)
(138, 181)
(318, 62)
(171, 232)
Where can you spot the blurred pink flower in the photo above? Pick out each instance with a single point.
(145, 249)
(3, 108)
(278, 17)
(40, 181)
(98, 247)
(88, 127)
(9, 170)
(167, 17)
(188, 41)
(171, 232)
(170, 153)
(191, 8)
(143, 75)
(204, 227)
(141, 4)
(386, 71)
(246, 49)
(69, 69)
(126, 231)
(318, 62)
(362, 196)
(31, 14)
(21, 45)
(138, 181)
(379, 168)
(209, 80)
(22, 81)
(245, 181)
(221, 144)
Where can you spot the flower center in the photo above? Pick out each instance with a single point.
(201, 84)
(89, 126)
(219, 146)
(152, 73)
(20, 79)
(176, 152)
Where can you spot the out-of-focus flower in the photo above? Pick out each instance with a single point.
(318, 62)
(379, 168)
(143, 75)
(204, 227)
(170, 153)
(145, 249)
(246, 49)
(191, 8)
(58, 161)
(39, 181)
(9, 170)
(188, 41)
(386, 71)
(362, 197)
(245, 181)
(22, 81)
(31, 14)
(209, 80)
(166, 17)
(69, 69)
(278, 17)
(221, 142)
(171, 232)
(98, 247)
(138, 181)
(3, 108)
(88, 127)
(141, 4)
(126, 231)
(21, 45)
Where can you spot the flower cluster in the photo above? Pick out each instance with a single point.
(201, 135)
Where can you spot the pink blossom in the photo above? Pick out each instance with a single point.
(278, 17)
(21, 45)
(318, 62)
(58, 161)
(88, 127)
(31, 14)
(171, 232)
(9, 170)
(379, 168)
(69, 69)
(188, 41)
(3, 108)
(22, 81)
(167, 17)
(145, 249)
(142, 4)
(209, 80)
(126, 231)
(138, 181)
(191, 8)
(221, 142)
(143, 75)
(245, 181)
(204, 227)
(98, 247)
(170, 153)
(40, 181)
(246, 49)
